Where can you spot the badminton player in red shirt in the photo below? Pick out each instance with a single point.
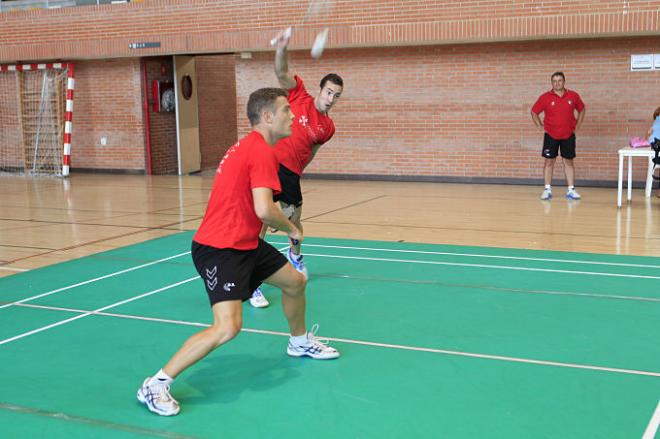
(231, 258)
(312, 127)
(559, 106)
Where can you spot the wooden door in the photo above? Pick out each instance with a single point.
(187, 115)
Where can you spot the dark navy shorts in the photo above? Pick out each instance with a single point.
(231, 274)
(552, 146)
(290, 182)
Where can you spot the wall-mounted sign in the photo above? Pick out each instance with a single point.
(146, 45)
(641, 62)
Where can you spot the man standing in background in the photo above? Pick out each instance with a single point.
(559, 106)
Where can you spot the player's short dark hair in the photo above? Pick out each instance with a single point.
(260, 100)
(656, 113)
(334, 78)
(558, 74)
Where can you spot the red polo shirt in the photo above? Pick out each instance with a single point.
(230, 220)
(310, 127)
(559, 117)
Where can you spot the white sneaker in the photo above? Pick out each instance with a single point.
(547, 194)
(572, 194)
(258, 300)
(157, 398)
(297, 263)
(315, 348)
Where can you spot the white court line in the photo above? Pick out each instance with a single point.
(13, 269)
(367, 343)
(96, 311)
(339, 257)
(652, 428)
(502, 267)
(116, 273)
(476, 255)
(504, 289)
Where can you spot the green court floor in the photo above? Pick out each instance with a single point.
(436, 341)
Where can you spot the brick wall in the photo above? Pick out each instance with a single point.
(217, 106)
(463, 111)
(162, 125)
(433, 89)
(203, 26)
(108, 103)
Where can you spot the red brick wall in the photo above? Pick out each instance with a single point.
(108, 103)
(162, 125)
(430, 107)
(217, 106)
(203, 26)
(463, 111)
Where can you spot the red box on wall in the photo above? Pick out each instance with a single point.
(162, 95)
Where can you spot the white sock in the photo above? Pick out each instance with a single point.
(294, 254)
(570, 188)
(162, 378)
(298, 340)
(548, 187)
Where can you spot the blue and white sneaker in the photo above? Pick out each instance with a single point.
(315, 348)
(258, 300)
(297, 262)
(157, 398)
(547, 194)
(572, 194)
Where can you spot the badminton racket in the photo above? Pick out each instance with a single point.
(314, 9)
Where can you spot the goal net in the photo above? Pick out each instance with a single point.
(36, 103)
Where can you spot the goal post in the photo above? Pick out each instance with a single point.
(36, 118)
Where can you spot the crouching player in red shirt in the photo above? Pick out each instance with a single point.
(231, 258)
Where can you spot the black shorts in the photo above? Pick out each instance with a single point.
(552, 146)
(231, 274)
(290, 182)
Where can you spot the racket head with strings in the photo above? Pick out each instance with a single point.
(316, 8)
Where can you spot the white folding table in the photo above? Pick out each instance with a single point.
(630, 153)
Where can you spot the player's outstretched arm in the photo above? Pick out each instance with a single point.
(284, 77)
(271, 215)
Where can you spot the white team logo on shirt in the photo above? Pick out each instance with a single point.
(552, 103)
(226, 156)
(570, 102)
(303, 120)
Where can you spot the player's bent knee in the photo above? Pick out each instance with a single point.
(301, 281)
(296, 285)
(226, 331)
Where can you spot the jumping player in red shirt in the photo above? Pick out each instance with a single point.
(312, 127)
(559, 106)
(231, 258)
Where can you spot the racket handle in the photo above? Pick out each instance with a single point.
(286, 34)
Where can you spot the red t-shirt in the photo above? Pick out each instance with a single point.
(559, 118)
(230, 220)
(310, 127)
